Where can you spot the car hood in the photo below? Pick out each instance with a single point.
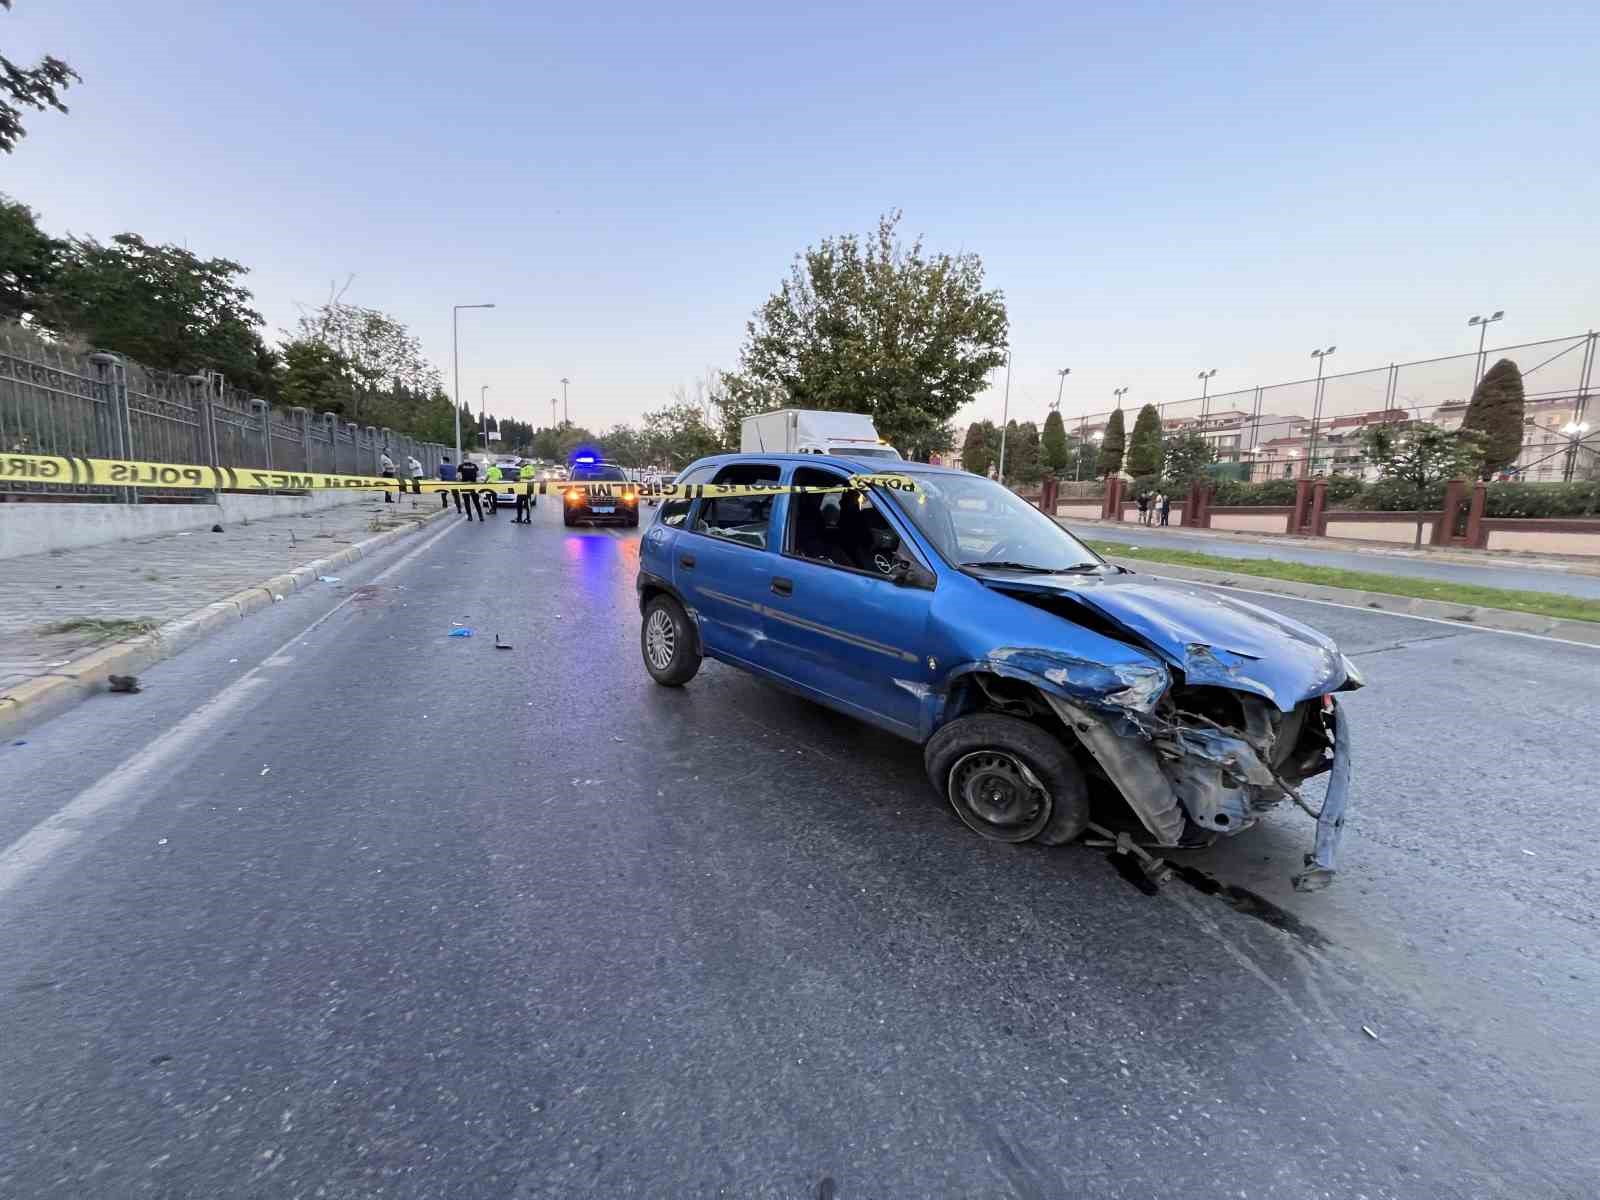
(1212, 639)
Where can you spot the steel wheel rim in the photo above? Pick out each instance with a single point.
(660, 639)
(996, 794)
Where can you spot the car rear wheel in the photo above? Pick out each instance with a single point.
(1008, 780)
(667, 642)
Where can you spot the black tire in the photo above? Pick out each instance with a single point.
(667, 642)
(566, 517)
(633, 521)
(1008, 780)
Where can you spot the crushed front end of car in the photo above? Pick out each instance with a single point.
(1237, 717)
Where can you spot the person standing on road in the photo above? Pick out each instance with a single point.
(386, 469)
(494, 475)
(1166, 507)
(447, 474)
(414, 464)
(469, 496)
(526, 500)
(1143, 501)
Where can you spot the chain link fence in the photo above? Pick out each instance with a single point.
(1315, 426)
(99, 405)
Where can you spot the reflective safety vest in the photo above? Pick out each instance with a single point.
(494, 475)
(527, 473)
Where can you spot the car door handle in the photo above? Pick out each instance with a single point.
(783, 587)
(686, 560)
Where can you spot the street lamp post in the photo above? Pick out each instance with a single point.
(566, 417)
(1483, 324)
(552, 412)
(483, 415)
(1316, 409)
(455, 360)
(1005, 417)
(1205, 391)
(1574, 430)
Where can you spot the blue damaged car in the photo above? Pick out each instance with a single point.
(1037, 677)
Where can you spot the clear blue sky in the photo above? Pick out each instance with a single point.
(1157, 187)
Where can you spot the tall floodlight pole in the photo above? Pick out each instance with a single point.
(566, 417)
(552, 412)
(455, 361)
(483, 415)
(1062, 375)
(1316, 410)
(1005, 417)
(1205, 392)
(1483, 324)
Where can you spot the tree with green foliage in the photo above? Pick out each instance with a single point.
(1185, 459)
(29, 259)
(736, 395)
(1496, 411)
(676, 435)
(314, 376)
(1144, 447)
(38, 87)
(161, 305)
(380, 354)
(1112, 446)
(1053, 443)
(981, 447)
(1024, 462)
(1418, 456)
(879, 327)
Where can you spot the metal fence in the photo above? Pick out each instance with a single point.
(55, 401)
(1314, 426)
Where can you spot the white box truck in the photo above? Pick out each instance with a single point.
(812, 431)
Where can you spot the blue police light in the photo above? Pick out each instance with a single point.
(584, 458)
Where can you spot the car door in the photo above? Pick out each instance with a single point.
(723, 567)
(839, 623)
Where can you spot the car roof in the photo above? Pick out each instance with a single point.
(872, 465)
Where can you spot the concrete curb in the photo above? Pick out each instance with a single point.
(40, 699)
(1469, 615)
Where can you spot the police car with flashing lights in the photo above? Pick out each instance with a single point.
(617, 504)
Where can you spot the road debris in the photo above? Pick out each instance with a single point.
(499, 645)
(1371, 1033)
(264, 770)
(462, 632)
(123, 683)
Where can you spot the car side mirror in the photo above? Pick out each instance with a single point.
(907, 573)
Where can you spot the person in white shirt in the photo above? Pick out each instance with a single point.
(415, 465)
(386, 469)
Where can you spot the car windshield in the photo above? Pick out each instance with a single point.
(883, 452)
(974, 521)
(599, 471)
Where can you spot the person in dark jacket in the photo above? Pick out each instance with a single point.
(468, 472)
(447, 474)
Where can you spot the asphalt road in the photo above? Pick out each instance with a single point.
(340, 906)
(1507, 574)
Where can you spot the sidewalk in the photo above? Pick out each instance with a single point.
(66, 617)
(1215, 541)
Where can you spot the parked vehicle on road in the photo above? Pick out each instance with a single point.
(618, 505)
(811, 431)
(1037, 677)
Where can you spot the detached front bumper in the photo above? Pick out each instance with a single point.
(1181, 776)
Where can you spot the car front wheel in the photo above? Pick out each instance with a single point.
(1008, 780)
(667, 642)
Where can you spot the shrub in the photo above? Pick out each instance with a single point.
(1231, 493)
(1542, 500)
(1343, 488)
(1397, 495)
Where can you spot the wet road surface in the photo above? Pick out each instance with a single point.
(364, 910)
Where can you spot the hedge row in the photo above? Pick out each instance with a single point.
(1387, 495)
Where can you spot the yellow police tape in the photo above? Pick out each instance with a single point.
(118, 472)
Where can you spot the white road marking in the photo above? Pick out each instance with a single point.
(139, 777)
(1458, 626)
